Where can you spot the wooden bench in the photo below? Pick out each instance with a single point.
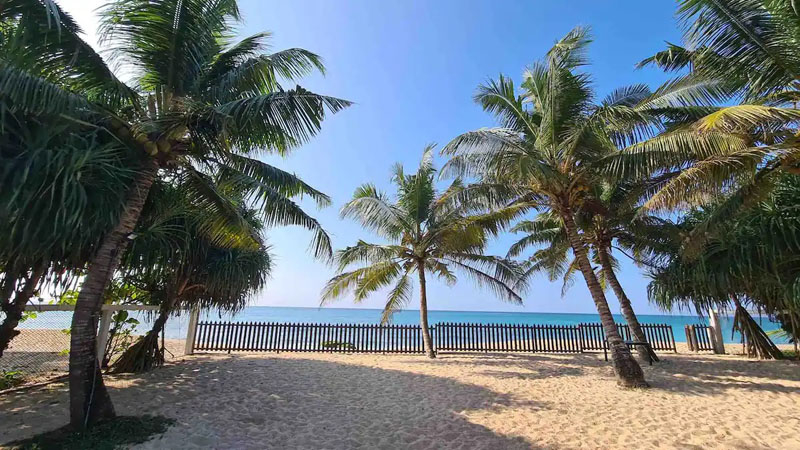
(631, 345)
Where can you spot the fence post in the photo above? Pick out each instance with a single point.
(194, 316)
(693, 337)
(715, 332)
(102, 334)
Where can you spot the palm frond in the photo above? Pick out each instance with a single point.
(398, 298)
(492, 282)
(252, 121)
(287, 184)
(371, 208)
(223, 222)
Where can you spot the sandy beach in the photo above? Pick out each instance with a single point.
(339, 401)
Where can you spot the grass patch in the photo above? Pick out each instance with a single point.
(108, 435)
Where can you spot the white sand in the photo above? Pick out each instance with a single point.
(467, 401)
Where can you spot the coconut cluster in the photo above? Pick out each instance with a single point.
(154, 142)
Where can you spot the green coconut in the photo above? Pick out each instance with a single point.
(163, 145)
(151, 148)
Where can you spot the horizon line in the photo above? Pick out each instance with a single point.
(468, 311)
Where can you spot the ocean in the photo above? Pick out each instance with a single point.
(176, 326)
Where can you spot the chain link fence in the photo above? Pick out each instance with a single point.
(40, 352)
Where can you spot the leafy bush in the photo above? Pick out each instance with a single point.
(11, 378)
(120, 336)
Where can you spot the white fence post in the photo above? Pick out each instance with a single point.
(194, 316)
(716, 332)
(102, 334)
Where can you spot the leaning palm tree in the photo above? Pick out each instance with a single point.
(547, 150)
(609, 220)
(202, 103)
(429, 233)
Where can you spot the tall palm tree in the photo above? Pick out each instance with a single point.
(551, 137)
(429, 233)
(202, 103)
(609, 220)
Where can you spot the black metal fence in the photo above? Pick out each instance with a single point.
(448, 337)
(659, 335)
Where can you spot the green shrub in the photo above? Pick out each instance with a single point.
(11, 378)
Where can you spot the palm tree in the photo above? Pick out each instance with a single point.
(179, 267)
(741, 51)
(750, 260)
(202, 103)
(429, 233)
(546, 150)
(746, 46)
(609, 219)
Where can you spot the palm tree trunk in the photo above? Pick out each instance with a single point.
(89, 399)
(14, 308)
(10, 276)
(624, 302)
(423, 312)
(757, 342)
(628, 371)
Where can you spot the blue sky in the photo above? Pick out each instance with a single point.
(412, 67)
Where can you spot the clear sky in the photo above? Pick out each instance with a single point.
(412, 67)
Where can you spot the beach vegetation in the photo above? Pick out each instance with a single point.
(180, 268)
(11, 378)
(739, 61)
(546, 155)
(748, 261)
(120, 336)
(428, 233)
(203, 104)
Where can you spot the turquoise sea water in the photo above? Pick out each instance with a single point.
(176, 327)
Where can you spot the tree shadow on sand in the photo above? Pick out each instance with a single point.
(716, 374)
(522, 366)
(245, 402)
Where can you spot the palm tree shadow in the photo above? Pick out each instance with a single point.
(245, 402)
(714, 375)
(526, 366)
